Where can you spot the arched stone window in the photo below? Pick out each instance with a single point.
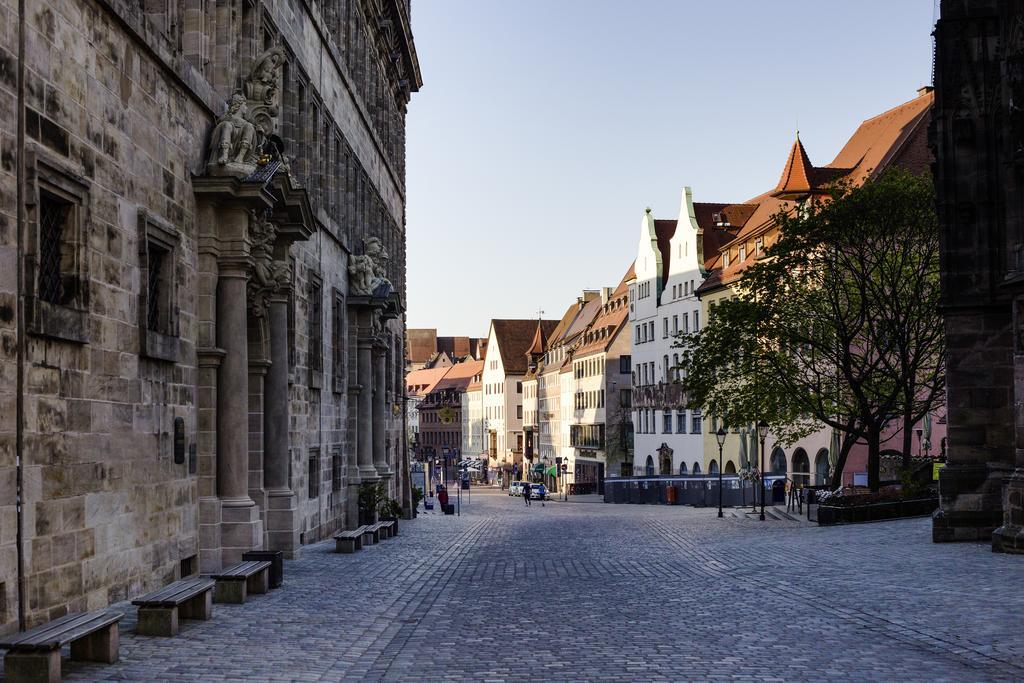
(801, 467)
(649, 469)
(730, 467)
(821, 467)
(682, 468)
(778, 462)
(713, 467)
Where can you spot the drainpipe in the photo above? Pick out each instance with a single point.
(19, 411)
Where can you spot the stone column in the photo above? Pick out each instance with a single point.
(380, 389)
(241, 528)
(364, 358)
(282, 511)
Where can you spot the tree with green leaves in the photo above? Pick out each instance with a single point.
(837, 325)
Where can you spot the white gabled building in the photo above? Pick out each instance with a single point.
(669, 266)
(505, 368)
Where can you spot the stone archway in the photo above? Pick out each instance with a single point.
(649, 468)
(801, 467)
(821, 467)
(713, 467)
(665, 460)
(682, 467)
(777, 463)
(730, 467)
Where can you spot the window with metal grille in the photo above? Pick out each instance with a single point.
(337, 342)
(156, 285)
(336, 471)
(315, 331)
(53, 218)
(314, 473)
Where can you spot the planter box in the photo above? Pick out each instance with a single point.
(829, 515)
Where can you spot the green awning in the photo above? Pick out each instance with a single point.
(552, 471)
(539, 469)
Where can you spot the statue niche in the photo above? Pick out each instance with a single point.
(245, 136)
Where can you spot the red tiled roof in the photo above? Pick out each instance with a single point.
(460, 375)
(422, 382)
(514, 337)
(540, 341)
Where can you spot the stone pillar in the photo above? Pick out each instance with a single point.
(241, 528)
(380, 389)
(364, 359)
(282, 511)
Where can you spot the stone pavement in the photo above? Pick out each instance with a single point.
(574, 591)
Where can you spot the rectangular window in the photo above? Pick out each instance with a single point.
(686, 322)
(696, 321)
(314, 331)
(314, 473)
(686, 288)
(636, 330)
(337, 342)
(666, 422)
(625, 363)
(158, 310)
(743, 252)
(758, 246)
(664, 326)
(519, 412)
(336, 462)
(519, 387)
(695, 425)
(681, 422)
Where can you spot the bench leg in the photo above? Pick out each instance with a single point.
(344, 545)
(259, 582)
(367, 538)
(100, 646)
(199, 607)
(229, 591)
(32, 667)
(158, 621)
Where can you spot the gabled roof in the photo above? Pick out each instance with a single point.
(514, 338)
(540, 341)
(609, 321)
(422, 382)
(878, 143)
(460, 376)
(801, 178)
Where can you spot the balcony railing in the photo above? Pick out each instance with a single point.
(661, 395)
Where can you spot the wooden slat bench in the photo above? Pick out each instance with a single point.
(348, 541)
(234, 583)
(160, 610)
(35, 654)
(371, 534)
(387, 529)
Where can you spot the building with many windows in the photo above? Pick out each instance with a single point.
(203, 351)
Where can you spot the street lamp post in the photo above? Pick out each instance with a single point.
(762, 432)
(720, 435)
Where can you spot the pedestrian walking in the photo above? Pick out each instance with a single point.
(442, 498)
(526, 494)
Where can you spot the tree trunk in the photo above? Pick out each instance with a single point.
(874, 456)
(844, 451)
(908, 432)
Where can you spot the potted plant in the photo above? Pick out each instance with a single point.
(417, 496)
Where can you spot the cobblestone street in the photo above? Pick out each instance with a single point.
(587, 591)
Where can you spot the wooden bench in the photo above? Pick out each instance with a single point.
(160, 610)
(371, 534)
(234, 583)
(35, 654)
(348, 541)
(387, 529)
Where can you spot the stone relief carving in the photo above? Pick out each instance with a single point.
(367, 272)
(269, 275)
(246, 134)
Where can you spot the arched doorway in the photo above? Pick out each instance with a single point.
(696, 468)
(665, 460)
(649, 469)
(777, 464)
(821, 467)
(730, 468)
(801, 467)
(682, 468)
(713, 467)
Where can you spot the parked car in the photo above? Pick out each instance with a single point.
(538, 492)
(516, 488)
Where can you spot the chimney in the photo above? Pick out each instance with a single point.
(606, 295)
(924, 90)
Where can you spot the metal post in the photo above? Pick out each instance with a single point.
(719, 479)
(762, 478)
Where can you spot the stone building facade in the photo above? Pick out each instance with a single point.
(202, 238)
(978, 135)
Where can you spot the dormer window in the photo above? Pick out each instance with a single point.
(758, 246)
(743, 253)
(725, 259)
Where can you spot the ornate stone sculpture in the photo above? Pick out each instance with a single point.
(367, 272)
(246, 134)
(269, 275)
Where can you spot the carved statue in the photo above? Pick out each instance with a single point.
(270, 275)
(246, 134)
(367, 271)
(234, 137)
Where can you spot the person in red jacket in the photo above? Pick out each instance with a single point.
(442, 498)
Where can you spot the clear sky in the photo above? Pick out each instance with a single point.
(544, 127)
